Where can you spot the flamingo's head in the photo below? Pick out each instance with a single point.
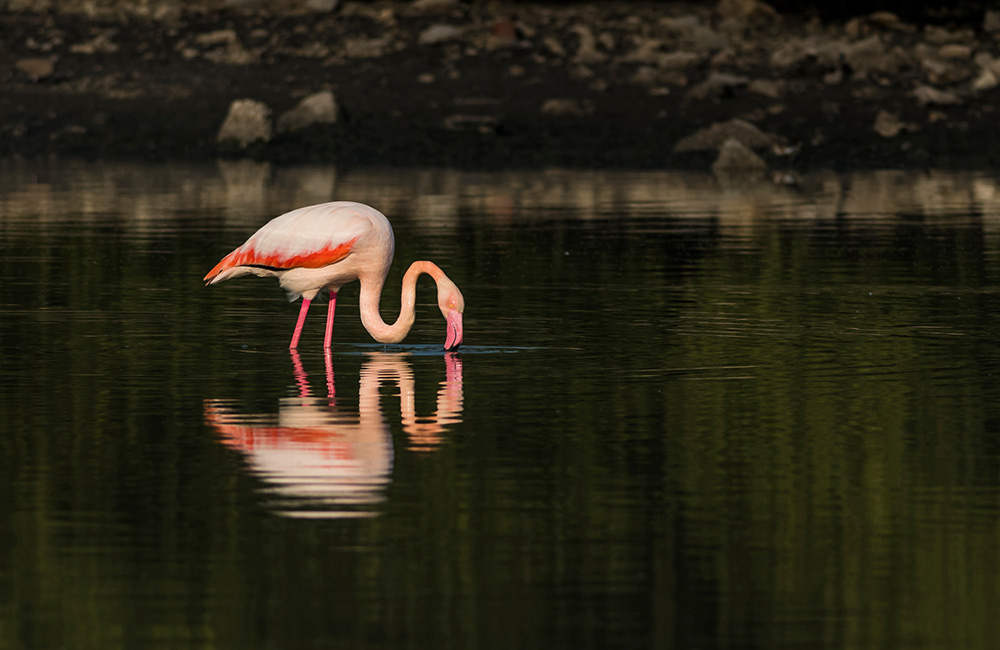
(452, 304)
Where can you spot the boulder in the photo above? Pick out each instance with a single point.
(870, 55)
(740, 130)
(319, 108)
(931, 96)
(248, 121)
(735, 156)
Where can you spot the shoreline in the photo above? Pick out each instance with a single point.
(445, 84)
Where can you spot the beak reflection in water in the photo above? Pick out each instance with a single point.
(316, 460)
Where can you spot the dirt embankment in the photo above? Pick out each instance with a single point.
(437, 82)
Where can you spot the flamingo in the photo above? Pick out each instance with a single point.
(326, 246)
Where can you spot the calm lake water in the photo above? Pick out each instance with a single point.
(688, 414)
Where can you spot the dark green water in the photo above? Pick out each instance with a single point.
(688, 415)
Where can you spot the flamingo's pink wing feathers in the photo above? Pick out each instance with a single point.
(310, 237)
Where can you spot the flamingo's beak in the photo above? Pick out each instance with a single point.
(454, 330)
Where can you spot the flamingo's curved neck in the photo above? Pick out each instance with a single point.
(371, 294)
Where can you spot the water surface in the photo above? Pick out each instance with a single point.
(688, 414)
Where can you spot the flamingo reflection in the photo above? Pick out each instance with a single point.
(319, 460)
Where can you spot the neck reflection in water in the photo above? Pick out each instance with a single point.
(318, 460)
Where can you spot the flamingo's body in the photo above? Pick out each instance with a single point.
(326, 246)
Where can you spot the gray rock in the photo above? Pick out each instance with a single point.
(217, 37)
(725, 57)
(988, 75)
(647, 50)
(559, 106)
(958, 51)
(554, 46)
(232, 54)
(884, 19)
(694, 35)
(888, 125)
(734, 156)
(773, 88)
(645, 75)
(705, 39)
(680, 23)
(944, 71)
(931, 96)
(365, 48)
(678, 60)
(789, 55)
(941, 35)
(100, 44)
(36, 68)
(826, 53)
(740, 130)
(717, 85)
(587, 52)
(248, 121)
(319, 108)
(986, 80)
(834, 77)
(439, 34)
(870, 55)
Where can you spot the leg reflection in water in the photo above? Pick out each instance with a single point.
(322, 461)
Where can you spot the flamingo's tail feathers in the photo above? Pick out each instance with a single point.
(229, 267)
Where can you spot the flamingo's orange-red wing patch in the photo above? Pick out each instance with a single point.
(313, 260)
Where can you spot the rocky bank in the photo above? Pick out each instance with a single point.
(730, 86)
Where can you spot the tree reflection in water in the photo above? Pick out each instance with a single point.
(318, 460)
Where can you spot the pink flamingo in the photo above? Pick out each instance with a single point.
(326, 246)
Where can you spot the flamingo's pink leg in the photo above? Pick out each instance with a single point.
(332, 307)
(298, 325)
